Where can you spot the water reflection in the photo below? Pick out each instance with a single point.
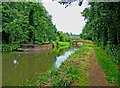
(18, 67)
(62, 58)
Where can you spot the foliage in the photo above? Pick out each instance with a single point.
(26, 22)
(29, 23)
(9, 47)
(102, 26)
(63, 37)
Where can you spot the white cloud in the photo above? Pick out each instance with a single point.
(66, 19)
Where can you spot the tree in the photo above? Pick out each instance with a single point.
(26, 22)
(103, 26)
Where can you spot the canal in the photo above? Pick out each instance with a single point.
(17, 67)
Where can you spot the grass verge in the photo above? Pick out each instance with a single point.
(109, 67)
(63, 44)
(72, 72)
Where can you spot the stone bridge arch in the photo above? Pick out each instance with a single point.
(77, 41)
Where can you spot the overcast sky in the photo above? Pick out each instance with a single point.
(66, 19)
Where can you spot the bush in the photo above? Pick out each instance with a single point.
(9, 47)
(113, 52)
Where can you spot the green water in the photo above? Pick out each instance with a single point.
(17, 67)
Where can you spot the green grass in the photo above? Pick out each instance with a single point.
(76, 66)
(72, 72)
(60, 44)
(110, 68)
(63, 43)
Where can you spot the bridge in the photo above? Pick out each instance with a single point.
(77, 41)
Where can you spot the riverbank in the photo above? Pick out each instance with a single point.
(72, 72)
(26, 47)
(75, 70)
(109, 67)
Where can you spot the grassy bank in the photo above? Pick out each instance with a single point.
(73, 72)
(63, 43)
(11, 47)
(109, 67)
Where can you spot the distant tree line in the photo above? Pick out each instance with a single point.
(103, 26)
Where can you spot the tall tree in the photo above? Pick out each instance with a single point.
(103, 26)
(26, 22)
